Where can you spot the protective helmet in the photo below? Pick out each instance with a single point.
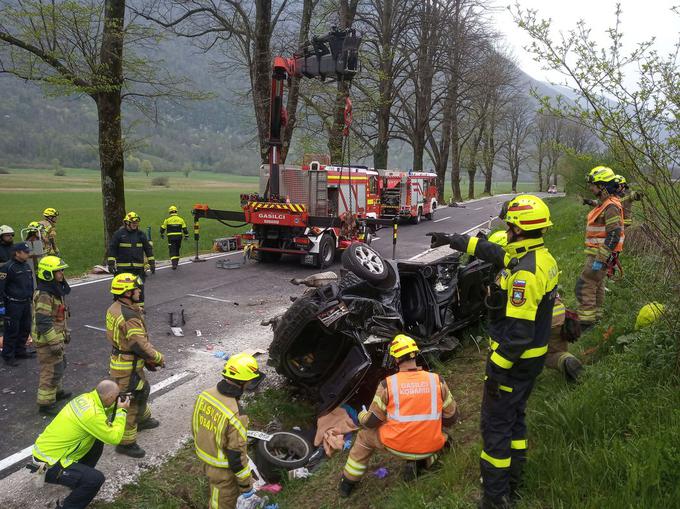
(403, 345)
(172, 209)
(35, 226)
(131, 217)
(527, 212)
(50, 212)
(620, 179)
(499, 237)
(5, 229)
(48, 265)
(649, 313)
(600, 175)
(241, 367)
(125, 282)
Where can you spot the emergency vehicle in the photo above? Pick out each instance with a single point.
(408, 195)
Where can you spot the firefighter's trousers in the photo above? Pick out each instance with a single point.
(139, 410)
(504, 436)
(224, 488)
(52, 363)
(558, 351)
(174, 245)
(590, 292)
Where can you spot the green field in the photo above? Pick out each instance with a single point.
(26, 193)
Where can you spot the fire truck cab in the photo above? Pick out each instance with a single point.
(408, 195)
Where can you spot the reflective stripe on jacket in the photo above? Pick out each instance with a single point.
(175, 226)
(49, 238)
(218, 428)
(49, 318)
(128, 248)
(602, 222)
(414, 413)
(73, 431)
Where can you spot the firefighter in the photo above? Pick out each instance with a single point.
(627, 197)
(405, 418)
(127, 249)
(174, 227)
(50, 331)
(131, 353)
(6, 241)
(16, 292)
(49, 224)
(220, 429)
(604, 241)
(520, 315)
(71, 445)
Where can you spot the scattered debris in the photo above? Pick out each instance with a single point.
(177, 331)
(177, 318)
(228, 264)
(272, 488)
(254, 351)
(299, 473)
(221, 355)
(316, 280)
(381, 473)
(199, 333)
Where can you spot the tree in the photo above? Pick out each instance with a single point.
(516, 129)
(77, 48)
(146, 167)
(187, 168)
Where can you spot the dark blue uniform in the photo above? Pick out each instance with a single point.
(5, 252)
(16, 292)
(127, 249)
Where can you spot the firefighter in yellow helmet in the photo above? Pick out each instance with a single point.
(50, 331)
(405, 418)
(131, 353)
(603, 243)
(520, 315)
(127, 249)
(49, 224)
(220, 429)
(175, 228)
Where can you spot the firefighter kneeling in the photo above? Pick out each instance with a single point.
(131, 353)
(405, 418)
(220, 432)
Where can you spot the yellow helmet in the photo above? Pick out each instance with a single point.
(48, 265)
(649, 313)
(241, 367)
(172, 209)
(50, 212)
(600, 175)
(527, 212)
(403, 345)
(620, 179)
(499, 237)
(131, 217)
(125, 282)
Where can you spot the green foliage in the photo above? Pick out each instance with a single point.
(160, 181)
(147, 167)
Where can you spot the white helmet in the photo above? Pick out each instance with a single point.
(5, 229)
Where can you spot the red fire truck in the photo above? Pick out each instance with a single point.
(408, 195)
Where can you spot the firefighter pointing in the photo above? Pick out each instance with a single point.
(131, 352)
(175, 228)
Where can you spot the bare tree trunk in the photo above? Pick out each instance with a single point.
(111, 157)
(455, 158)
(260, 73)
(540, 175)
(385, 84)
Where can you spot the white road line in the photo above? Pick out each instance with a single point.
(25, 453)
(442, 219)
(94, 328)
(206, 297)
(463, 233)
(478, 208)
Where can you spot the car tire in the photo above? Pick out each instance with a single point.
(326, 252)
(365, 262)
(284, 452)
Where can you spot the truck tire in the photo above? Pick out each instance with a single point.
(326, 254)
(266, 256)
(284, 452)
(433, 209)
(419, 216)
(365, 262)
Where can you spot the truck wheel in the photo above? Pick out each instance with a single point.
(326, 252)
(416, 220)
(267, 256)
(430, 216)
(284, 452)
(365, 262)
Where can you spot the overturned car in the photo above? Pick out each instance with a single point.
(333, 340)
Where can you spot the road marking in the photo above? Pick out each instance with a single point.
(442, 219)
(94, 328)
(209, 298)
(432, 249)
(478, 208)
(26, 452)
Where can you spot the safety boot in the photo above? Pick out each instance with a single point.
(494, 503)
(410, 471)
(133, 450)
(48, 410)
(572, 369)
(174, 264)
(63, 395)
(12, 363)
(346, 487)
(150, 423)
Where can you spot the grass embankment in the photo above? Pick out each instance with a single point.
(25, 193)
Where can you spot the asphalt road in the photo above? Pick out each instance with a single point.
(213, 300)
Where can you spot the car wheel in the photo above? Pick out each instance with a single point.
(365, 262)
(326, 252)
(284, 452)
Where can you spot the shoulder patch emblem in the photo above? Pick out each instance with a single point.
(3, 275)
(518, 289)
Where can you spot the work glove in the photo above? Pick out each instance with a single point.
(151, 366)
(112, 267)
(459, 242)
(67, 336)
(186, 237)
(588, 201)
(363, 416)
(438, 239)
(152, 266)
(597, 266)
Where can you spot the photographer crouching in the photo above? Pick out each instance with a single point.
(68, 450)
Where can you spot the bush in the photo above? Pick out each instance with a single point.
(4, 171)
(60, 172)
(161, 181)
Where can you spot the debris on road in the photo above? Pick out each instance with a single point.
(177, 331)
(381, 473)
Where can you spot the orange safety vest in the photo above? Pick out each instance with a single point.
(596, 230)
(414, 413)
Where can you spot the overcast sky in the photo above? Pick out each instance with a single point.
(641, 20)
